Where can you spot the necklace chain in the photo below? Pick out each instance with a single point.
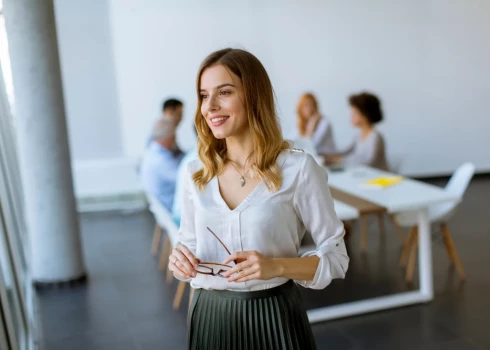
(242, 176)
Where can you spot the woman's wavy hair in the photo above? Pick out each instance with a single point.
(262, 120)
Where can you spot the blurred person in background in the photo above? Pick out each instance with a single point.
(313, 126)
(161, 162)
(368, 147)
(172, 110)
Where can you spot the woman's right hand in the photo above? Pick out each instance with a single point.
(182, 262)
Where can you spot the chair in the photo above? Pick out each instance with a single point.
(164, 222)
(439, 214)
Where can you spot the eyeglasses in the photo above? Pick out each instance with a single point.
(212, 268)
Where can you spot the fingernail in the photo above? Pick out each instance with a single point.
(193, 274)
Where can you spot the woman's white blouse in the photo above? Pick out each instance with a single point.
(272, 223)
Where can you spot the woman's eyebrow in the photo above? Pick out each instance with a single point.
(220, 86)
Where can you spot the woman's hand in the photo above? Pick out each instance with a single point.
(252, 266)
(182, 262)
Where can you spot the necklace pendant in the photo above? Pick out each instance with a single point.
(242, 181)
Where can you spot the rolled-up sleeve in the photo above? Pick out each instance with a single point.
(187, 230)
(315, 208)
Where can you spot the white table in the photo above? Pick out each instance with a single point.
(409, 195)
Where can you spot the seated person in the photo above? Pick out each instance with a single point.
(172, 109)
(313, 126)
(161, 162)
(368, 147)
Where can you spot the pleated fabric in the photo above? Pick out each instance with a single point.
(268, 319)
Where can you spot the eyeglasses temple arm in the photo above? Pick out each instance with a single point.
(220, 242)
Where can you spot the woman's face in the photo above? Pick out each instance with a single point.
(308, 109)
(357, 118)
(223, 104)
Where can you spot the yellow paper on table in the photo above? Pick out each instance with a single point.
(382, 182)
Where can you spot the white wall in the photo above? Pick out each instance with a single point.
(428, 61)
(89, 84)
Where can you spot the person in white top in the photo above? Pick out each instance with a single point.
(247, 203)
(313, 126)
(368, 147)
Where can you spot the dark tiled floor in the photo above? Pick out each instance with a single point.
(127, 304)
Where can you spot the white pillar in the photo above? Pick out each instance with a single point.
(52, 219)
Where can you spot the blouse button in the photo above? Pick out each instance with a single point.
(337, 245)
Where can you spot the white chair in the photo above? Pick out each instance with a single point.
(439, 214)
(164, 222)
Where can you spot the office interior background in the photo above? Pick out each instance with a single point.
(119, 59)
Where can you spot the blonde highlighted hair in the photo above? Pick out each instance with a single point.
(262, 120)
(308, 97)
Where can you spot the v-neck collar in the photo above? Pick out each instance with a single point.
(258, 189)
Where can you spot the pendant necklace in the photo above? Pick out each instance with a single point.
(242, 176)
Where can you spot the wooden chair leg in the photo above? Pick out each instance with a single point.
(364, 232)
(178, 294)
(157, 237)
(412, 259)
(446, 243)
(170, 275)
(381, 223)
(164, 254)
(451, 250)
(398, 229)
(407, 246)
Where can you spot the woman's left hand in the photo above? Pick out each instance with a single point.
(252, 266)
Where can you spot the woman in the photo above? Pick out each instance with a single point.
(313, 126)
(368, 147)
(248, 201)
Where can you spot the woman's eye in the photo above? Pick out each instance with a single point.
(204, 96)
(224, 92)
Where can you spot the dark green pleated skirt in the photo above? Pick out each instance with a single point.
(267, 319)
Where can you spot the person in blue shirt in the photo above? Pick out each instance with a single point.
(172, 109)
(161, 162)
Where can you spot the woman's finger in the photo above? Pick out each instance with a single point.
(177, 271)
(243, 273)
(184, 262)
(238, 268)
(253, 276)
(190, 256)
(243, 255)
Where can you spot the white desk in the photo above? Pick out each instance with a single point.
(408, 195)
